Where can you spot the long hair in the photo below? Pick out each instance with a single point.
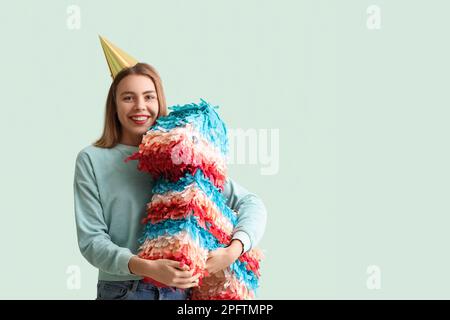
(112, 130)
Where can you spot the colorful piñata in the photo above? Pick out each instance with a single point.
(187, 217)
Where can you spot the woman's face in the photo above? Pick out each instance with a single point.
(137, 107)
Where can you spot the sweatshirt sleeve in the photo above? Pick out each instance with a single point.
(93, 239)
(252, 215)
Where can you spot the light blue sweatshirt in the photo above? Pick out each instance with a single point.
(110, 202)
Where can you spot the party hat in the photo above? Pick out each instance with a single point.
(117, 59)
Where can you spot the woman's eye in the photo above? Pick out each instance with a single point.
(150, 97)
(127, 98)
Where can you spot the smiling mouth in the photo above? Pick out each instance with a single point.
(140, 119)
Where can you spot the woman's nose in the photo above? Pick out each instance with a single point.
(140, 104)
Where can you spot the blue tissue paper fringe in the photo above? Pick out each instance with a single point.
(162, 186)
(207, 122)
(203, 117)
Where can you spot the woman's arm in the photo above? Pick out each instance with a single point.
(93, 239)
(252, 214)
(165, 271)
(249, 229)
(96, 245)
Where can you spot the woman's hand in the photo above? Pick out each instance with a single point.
(166, 271)
(221, 258)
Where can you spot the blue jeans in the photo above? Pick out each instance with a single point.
(138, 290)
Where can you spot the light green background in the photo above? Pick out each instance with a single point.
(363, 119)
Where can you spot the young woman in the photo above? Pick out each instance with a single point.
(111, 198)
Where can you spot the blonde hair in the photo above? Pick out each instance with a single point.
(112, 130)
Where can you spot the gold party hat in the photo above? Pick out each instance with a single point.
(117, 59)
